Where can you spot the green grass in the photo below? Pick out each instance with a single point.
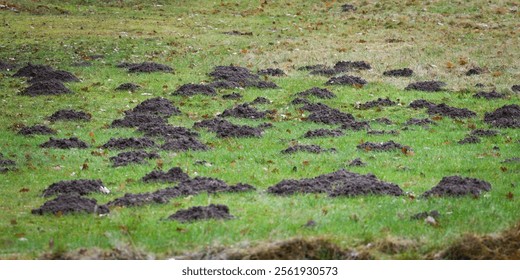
(188, 36)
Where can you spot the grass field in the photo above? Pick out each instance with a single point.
(439, 40)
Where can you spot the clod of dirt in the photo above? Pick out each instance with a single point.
(59, 75)
(348, 8)
(182, 144)
(469, 140)
(489, 95)
(384, 121)
(383, 146)
(136, 120)
(382, 132)
(356, 162)
(166, 131)
(377, 103)
(323, 133)
(51, 87)
(421, 103)
(475, 71)
(238, 33)
(69, 115)
(260, 100)
(271, 72)
(405, 72)
(346, 80)
(6, 164)
(484, 132)
(32, 70)
(355, 125)
(344, 66)
(430, 86)
(458, 186)
(194, 89)
(70, 203)
(224, 84)
(70, 143)
(244, 111)
(479, 85)
(133, 157)
(239, 76)
(147, 67)
(155, 106)
(6, 66)
(125, 64)
(36, 130)
(173, 175)
(224, 128)
(129, 143)
(507, 116)
(515, 88)
(213, 211)
(128, 86)
(315, 149)
(322, 113)
(234, 95)
(300, 100)
(422, 122)
(317, 92)
(423, 215)
(79, 187)
(339, 183)
(452, 112)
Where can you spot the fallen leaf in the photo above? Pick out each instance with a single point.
(510, 195)
(503, 168)
(22, 190)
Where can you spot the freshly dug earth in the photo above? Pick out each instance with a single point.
(6, 66)
(327, 71)
(380, 102)
(69, 115)
(322, 132)
(315, 149)
(346, 80)
(271, 72)
(80, 187)
(244, 111)
(515, 88)
(260, 100)
(6, 164)
(38, 129)
(300, 100)
(234, 95)
(194, 89)
(166, 131)
(458, 186)
(136, 120)
(65, 143)
(405, 72)
(51, 87)
(382, 132)
(147, 67)
(469, 140)
(356, 162)
(430, 86)
(155, 106)
(507, 116)
(422, 122)
(484, 132)
(421, 103)
(173, 175)
(182, 144)
(224, 128)
(32, 70)
(489, 95)
(133, 157)
(238, 33)
(70, 203)
(58, 75)
(129, 143)
(322, 113)
(317, 92)
(475, 71)
(383, 146)
(235, 76)
(384, 121)
(345, 66)
(128, 86)
(452, 112)
(213, 211)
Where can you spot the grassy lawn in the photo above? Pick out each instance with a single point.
(439, 40)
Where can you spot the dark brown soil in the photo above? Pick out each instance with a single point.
(356, 162)
(452, 112)
(182, 144)
(166, 131)
(38, 129)
(475, 71)
(421, 103)
(484, 132)
(383, 132)
(244, 111)
(51, 87)
(224, 128)
(173, 175)
(239, 76)
(345, 66)
(126, 64)
(384, 121)
(137, 120)
(458, 186)
(469, 140)
(70, 203)
(489, 95)
(300, 100)
(155, 106)
(6, 66)
(238, 33)
(515, 88)
(322, 113)
(355, 125)
(346, 80)
(147, 67)
(511, 160)
(380, 102)
(261, 100)
(430, 86)
(6, 164)
(194, 89)
(276, 72)
(234, 95)
(317, 92)
(224, 84)
(322, 132)
(423, 215)
(507, 116)
(128, 86)
(422, 122)
(405, 72)
(32, 70)
(70, 143)
(129, 143)
(69, 115)
(133, 157)
(315, 149)
(215, 212)
(348, 8)
(339, 183)
(383, 146)
(79, 187)
(59, 75)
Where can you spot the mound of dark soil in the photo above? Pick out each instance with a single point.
(339, 183)
(80, 187)
(271, 72)
(238, 33)
(173, 175)
(69, 143)
(244, 111)
(32, 70)
(384, 121)
(489, 95)
(155, 106)
(507, 116)
(348, 8)
(484, 132)
(421, 103)
(405, 72)
(383, 146)
(423, 215)
(182, 144)
(147, 67)
(382, 132)
(515, 88)
(322, 113)
(421, 122)
(133, 157)
(469, 140)
(128, 86)
(475, 71)
(356, 162)
(322, 132)
(327, 71)
(194, 89)
(317, 92)
(6, 66)
(239, 76)
(50, 87)
(69, 115)
(234, 95)
(70, 203)
(352, 65)
(217, 212)
(137, 120)
(355, 125)
(129, 143)
(377, 103)
(430, 86)
(452, 112)
(6, 164)
(346, 80)
(166, 131)
(458, 186)
(125, 64)
(315, 149)
(223, 128)
(38, 129)
(58, 75)
(224, 84)
(261, 100)
(300, 100)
